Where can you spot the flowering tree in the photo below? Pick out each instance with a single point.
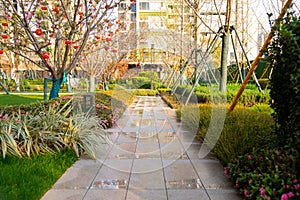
(108, 55)
(53, 34)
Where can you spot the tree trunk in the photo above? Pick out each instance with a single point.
(224, 58)
(56, 82)
(92, 84)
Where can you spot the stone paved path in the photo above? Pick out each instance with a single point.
(151, 156)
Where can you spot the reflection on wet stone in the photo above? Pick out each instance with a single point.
(184, 184)
(110, 184)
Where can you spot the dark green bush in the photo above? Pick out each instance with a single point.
(140, 82)
(284, 56)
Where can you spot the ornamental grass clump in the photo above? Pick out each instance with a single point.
(48, 127)
(243, 129)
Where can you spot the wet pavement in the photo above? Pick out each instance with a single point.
(150, 155)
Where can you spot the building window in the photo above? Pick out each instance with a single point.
(144, 6)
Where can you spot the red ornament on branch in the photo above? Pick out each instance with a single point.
(56, 9)
(39, 32)
(97, 37)
(80, 12)
(108, 39)
(4, 36)
(106, 6)
(75, 46)
(44, 7)
(114, 50)
(68, 42)
(46, 55)
(4, 24)
(1, 51)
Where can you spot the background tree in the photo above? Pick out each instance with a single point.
(53, 34)
(106, 57)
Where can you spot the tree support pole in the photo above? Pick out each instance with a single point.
(4, 88)
(260, 54)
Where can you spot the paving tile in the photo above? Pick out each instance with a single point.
(148, 194)
(148, 136)
(115, 169)
(166, 137)
(102, 194)
(179, 170)
(187, 194)
(123, 150)
(151, 180)
(146, 165)
(147, 147)
(79, 176)
(221, 194)
(211, 174)
(172, 149)
(122, 165)
(64, 194)
(126, 137)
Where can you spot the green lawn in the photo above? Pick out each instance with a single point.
(14, 99)
(31, 178)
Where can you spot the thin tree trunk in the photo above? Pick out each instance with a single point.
(56, 83)
(225, 48)
(92, 83)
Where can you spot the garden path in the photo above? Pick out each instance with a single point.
(150, 156)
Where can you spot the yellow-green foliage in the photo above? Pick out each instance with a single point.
(243, 130)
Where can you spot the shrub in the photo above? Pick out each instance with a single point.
(110, 105)
(144, 92)
(150, 75)
(243, 130)
(284, 56)
(264, 174)
(140, 82)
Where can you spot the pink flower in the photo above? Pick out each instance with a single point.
(260, 175)
(249, 156)
(262, 192)
(7, 16)
(29, 15)
(27, 113)
(98, 105)
(246, 193)
(290, 194)
(295, 181)
(237, 185)
(225, 170)
(297, 186)
(284, 197)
